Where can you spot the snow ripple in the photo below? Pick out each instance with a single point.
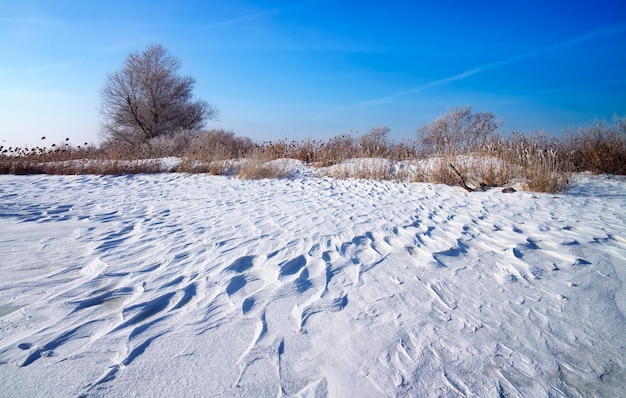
(205, 285)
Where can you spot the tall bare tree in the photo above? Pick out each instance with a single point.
(147, 98)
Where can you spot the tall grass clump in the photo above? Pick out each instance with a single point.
(335, 151)
(260, 165)
(537, 160)
(213, 151)
(66, 158)
(461, 147)
(599, 148)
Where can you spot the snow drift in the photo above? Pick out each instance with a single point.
(193, 285)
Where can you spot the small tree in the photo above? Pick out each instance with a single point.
(456, 130)
(374, 143)
(147, 98)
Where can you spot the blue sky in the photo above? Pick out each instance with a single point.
(280, 69)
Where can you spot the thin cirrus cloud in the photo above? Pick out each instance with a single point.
(67, 63)
(128, 23)
(49, 67)
(245, 18)
(596, 34)
(36, 21)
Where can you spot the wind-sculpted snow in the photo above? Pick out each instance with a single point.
(192, 285)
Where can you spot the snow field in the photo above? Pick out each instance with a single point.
(193, 285)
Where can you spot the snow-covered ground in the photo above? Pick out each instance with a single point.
(195, 285)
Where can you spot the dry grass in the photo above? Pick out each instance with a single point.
(216, 167)
(260, 165)
(600, 148)
(67, 159)
(536, 161)
(370, 168)
(440, 171)
(81, 166)
(467, 141)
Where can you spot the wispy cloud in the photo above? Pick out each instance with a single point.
(38, 21)
(245, 18)
(30, 20)
(44, 68)
(377, 101)
(121, 23)
(596, 34)
(127, 24)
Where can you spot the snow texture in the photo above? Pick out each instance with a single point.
(196, 285)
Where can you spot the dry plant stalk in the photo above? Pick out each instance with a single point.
(462, 138)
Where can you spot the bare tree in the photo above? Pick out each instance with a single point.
(147, 98)
(459, 129)
(374, 143)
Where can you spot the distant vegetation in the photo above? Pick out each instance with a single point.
(149, 113)
(469, 141)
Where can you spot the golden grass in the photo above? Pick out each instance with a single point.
(541, 163)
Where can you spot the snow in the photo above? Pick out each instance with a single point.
(195, 285)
